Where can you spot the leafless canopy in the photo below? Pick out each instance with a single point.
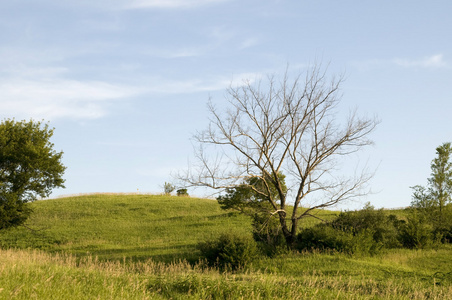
(286, 126)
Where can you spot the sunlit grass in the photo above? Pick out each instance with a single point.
(33, 274)
(114, 226)
(136, 226)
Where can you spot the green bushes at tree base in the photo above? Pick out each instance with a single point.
(229, 251)
(325, 237)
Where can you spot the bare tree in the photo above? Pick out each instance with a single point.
(289, 127)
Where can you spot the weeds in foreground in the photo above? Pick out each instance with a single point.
(34, 274)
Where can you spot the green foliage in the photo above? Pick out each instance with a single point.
(442, 224)
(229, 251)
(325, 237)
(434, 201)
(441, 180)
(268, 234)
(252, 194)
(29, 168)
(416, 232)
(365, 232)
(251, 198)
(439, 221)
(182, 193)
(383, 227)
(321, 237)
(368, 230)
(13, 212)
(423, 199)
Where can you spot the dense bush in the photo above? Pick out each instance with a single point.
(182, 193)
(369, 230)
(384, 228)
(326, 237)
(426, 225)
(416, 232)
(365, 231)
(439, 220)
(229, 252)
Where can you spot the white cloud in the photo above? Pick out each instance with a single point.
(164, 86)
(46, 94)
(58, 98)
(170, 3)
(434, 61)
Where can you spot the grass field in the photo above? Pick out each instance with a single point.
(144, 247)
(117, 226)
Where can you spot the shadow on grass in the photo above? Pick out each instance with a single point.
(140, 254)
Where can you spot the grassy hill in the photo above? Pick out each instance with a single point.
(164, 228)
(144, 247)
(116, 226)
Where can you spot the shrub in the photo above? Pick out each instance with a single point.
(416, 232)
(229, 252)
(444, 232)
(182, 193)
(321, 237)
(368, 219)
(365, 231)
(440, 221)
(325, 237)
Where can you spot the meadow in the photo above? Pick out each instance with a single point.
(144, 247)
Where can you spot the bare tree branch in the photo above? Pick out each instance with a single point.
(290, 127)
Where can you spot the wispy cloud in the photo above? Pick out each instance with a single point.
(58, 98)
(250, 42)
(170, 4)
(48, 93)
(434, 61)
(165, 86)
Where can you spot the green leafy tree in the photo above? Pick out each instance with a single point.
(434, 200)
(441, 177)
(423, 198)
(438, 192)
(251, 195)
(29, 168)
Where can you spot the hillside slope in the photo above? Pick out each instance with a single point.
(117, 226)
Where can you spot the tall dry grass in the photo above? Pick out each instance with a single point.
(33, 274)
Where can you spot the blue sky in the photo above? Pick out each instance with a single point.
(125, 82)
